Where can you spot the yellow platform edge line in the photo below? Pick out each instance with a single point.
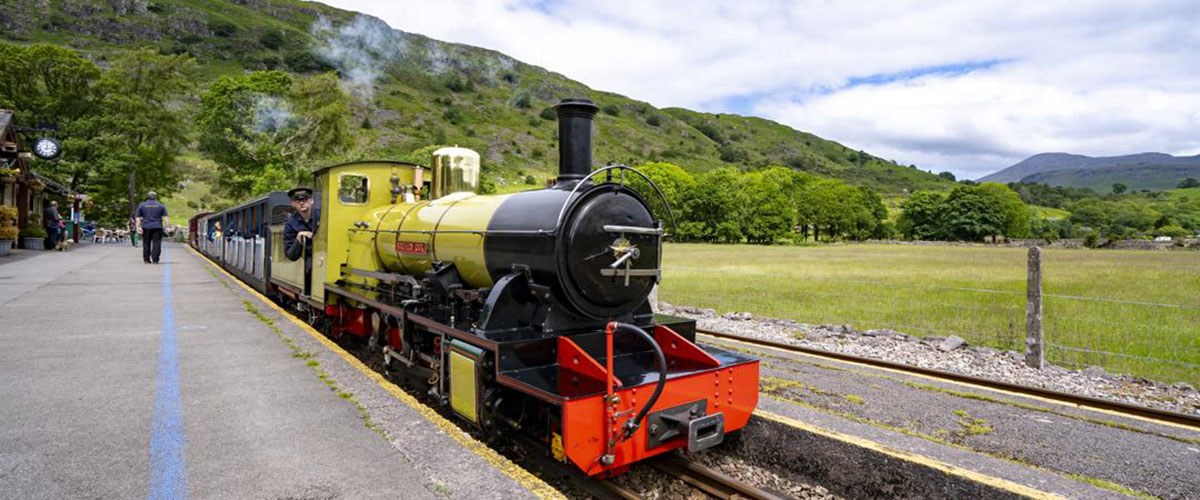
(994, 482)
(530, 482)
(961, 384)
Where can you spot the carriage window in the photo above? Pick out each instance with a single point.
(352, 188)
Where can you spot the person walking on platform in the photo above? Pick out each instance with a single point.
(52, 221)
(151, 219)
(299, 229)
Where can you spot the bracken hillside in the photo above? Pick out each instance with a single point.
(411, 91)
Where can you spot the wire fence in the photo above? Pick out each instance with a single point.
(1153, 338)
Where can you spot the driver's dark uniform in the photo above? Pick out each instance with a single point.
(293, 249)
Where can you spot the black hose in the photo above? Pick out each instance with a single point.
(632, 425)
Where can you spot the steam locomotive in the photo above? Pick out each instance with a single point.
(524, 312)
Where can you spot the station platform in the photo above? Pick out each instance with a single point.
(866, 432)
(128, 380)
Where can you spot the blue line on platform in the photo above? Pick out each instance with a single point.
(168, 473)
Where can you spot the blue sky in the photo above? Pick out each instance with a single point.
(969, 87)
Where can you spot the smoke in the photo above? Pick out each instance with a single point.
(271, 114)
(359, 50)
(363, 49)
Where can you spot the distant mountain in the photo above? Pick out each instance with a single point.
(1139, 171)
(416, 91)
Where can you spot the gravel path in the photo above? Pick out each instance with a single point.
(949, 354)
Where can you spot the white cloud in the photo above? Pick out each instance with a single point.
(1095, 78)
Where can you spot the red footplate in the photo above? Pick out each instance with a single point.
(728, 388)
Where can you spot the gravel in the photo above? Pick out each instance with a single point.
(951, 354)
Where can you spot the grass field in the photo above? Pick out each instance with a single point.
(1129, 311)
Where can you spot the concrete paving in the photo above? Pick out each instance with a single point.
(1053, 448)
(127, 380)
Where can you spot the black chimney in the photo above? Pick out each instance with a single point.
(575, 139)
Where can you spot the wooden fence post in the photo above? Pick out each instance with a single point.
(1034, 352)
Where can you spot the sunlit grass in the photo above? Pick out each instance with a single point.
(1128, 311)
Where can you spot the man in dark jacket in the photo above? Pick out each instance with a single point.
(151, 218)
(299, 229)
(52, 222)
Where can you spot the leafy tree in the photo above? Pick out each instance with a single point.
(712, 207)
(142, 93)
(674, 182)
(46, 84)
(265, 128)
(1014, 211)
(1190, 182)
(1118, 188)
(972, 213)
(769, 212)
(921, 217)
(838, 210)
(948, 176)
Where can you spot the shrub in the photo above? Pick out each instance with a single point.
(530, 180)
(8, 233)
(653, 120)
(733, 155)
(301, 61)
(548, 114)
(1172, 231)
(1091, 240)
(272, 40)
(612, 109)
(456, 83)
(224, 29)
(523, 101)
(711, 132)
(33, 232)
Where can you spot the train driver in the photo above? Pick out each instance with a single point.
(299, 229)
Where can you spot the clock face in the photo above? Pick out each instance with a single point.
(47, 149)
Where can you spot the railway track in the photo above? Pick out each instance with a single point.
(1087, 402)
(707, 480)
(710, 481)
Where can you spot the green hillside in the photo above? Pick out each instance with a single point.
(421, 91)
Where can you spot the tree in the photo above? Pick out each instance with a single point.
(972, 213)
(142, 93)
(265, 129)
(921, 217)
(948, 176)
(46, 84)
(769, 211)
(839, 210)
(712, 208)
(674, 182)
(1118, 188)
(1013, 210)
(1190, 182)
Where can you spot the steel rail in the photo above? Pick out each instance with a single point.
(711, 481)
(1086, 402)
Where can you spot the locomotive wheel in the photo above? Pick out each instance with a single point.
(377, 327)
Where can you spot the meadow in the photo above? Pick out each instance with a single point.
(1134, 312)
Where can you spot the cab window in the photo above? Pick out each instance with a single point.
(352, 189)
